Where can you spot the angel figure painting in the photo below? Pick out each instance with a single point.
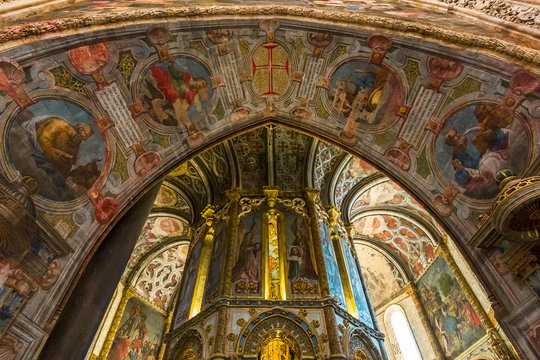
(246, 273)
(302, 275)
(177, 92)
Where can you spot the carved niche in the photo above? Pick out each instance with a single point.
(290, 331)
(361, 347)
(189, 347)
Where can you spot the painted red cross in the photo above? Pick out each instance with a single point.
(271, 67)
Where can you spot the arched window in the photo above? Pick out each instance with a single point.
(404, 345)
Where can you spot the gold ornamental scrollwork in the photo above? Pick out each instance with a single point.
(297, 205)
(247, 205)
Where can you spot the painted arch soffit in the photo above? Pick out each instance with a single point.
(408, 240)
(157, 278)
(385, 276)
(159, 229)
(158, 96)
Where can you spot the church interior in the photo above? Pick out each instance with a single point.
(270, 180)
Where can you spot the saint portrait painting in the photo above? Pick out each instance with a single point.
(57, 144)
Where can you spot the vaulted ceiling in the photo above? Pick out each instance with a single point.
(394, 235)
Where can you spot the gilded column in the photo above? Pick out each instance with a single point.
(311, 197)
(495, 340)
(204, 262)
(412, 290)
(230, 249)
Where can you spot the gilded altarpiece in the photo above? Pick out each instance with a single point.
(267, 288)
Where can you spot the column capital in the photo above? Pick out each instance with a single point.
(311, 194)
(333, 214)
(271, 193)
(233, 194)
(208, 214)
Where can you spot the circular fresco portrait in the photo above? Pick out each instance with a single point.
(365, 93)
(478, 141)
(168, 226)
(177, 92)
(57, 144)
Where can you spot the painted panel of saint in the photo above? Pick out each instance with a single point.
(139, 333)
(478, 141)
(190, 274)
(360, 297)
(455, 322)
(334, 279)
(213, 279)
(246, 273)
(365, 93)
(302, 275)
(58, 144)
(178, 92)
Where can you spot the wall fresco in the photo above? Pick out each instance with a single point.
(361, 298)
(139, 333)
(382, 277)
(456, 324)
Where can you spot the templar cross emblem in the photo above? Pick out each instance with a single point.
(270, 69)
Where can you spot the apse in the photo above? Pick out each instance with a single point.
(324, 259)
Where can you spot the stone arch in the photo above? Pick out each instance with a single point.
(361, 347)
(251, 342)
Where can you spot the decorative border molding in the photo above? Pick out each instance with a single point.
(378, 23)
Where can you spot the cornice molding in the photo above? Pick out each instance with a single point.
(12, 35)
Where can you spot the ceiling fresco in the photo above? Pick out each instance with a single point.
(383, 278)
(252, 160)
(290, 157)
(406, 240)
(155, 230)
(326, 158)
(354, 171)
(161, 275)
(92, 119)
(386, 192)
